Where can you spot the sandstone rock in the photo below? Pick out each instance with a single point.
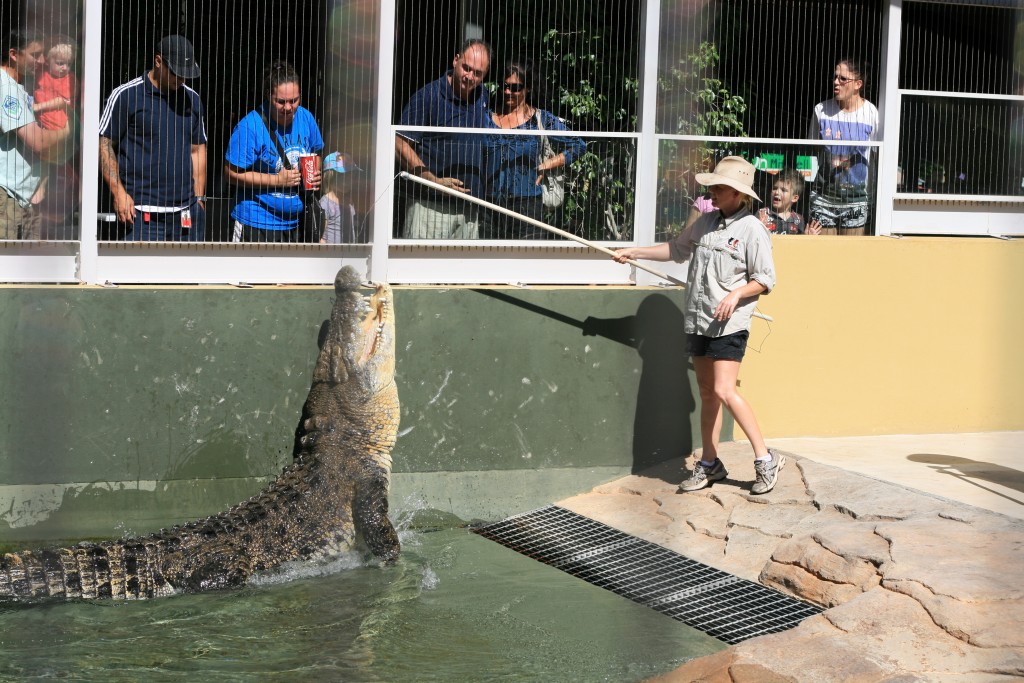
(706, 515)
(807, 553)
(721, 668)
(958, 559)
(854, 540)
(865, 498)
(895, 629)
(773, 520)
(983, 624)
(803, 584)
(747, 551)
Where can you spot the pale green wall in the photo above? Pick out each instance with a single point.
(128, 409)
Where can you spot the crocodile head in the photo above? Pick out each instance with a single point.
(359, 350)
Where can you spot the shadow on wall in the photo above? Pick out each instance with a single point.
(970, 471)
(665, 396)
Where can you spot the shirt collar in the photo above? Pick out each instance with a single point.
(724, 222)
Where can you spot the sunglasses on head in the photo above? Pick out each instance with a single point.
(513, 87)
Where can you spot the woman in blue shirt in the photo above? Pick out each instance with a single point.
(514, 166)
(268, 205)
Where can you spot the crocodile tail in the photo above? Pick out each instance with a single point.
(128, 570)
(370, 514)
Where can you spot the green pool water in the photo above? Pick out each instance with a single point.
(456, 607)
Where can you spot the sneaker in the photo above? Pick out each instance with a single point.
(703, 476)
(766, 473)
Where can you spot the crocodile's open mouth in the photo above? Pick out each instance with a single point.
(374, 324)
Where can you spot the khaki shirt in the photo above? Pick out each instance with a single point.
(724, 254)
(20, 170)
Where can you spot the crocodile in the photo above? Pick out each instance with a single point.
(334, 491)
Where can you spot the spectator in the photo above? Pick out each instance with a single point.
(514, 166)
(782, 218)
(56, 94)
(453, 160)
(840, 203)
(153, 149)
(338, 209)
(701, 205)
(730, 266)
(23, 142)
(268, 205)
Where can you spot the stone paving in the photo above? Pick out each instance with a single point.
(919, 588)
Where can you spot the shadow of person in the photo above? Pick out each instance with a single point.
(970, 471)
(662, 429)
(662, 424)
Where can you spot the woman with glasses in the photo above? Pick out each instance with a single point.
(840, 197)
(515, 169)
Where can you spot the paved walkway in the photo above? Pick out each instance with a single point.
(984, 469)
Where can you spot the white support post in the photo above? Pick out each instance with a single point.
(92, 39)
(889, 104)
(384, 165)
(646, 203)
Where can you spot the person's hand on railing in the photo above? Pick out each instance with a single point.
(450, 183)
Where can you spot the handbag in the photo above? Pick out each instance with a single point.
(552, 185)
(313, 219)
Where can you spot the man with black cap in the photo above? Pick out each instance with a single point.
(153, 149)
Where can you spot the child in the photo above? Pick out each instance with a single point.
(55, 94)
(781, 219)
(341, 215)
(730, 265)
(56, 88)
(701, 205)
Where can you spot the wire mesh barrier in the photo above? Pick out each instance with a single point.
(197, 125)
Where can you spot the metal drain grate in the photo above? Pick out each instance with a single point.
(722, 605)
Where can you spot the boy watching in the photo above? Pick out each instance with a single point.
(781, 219)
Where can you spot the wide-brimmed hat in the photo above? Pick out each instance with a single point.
(734, 172)
(179, 56)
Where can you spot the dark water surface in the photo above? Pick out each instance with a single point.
(456, 607)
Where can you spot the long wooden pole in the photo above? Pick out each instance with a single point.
(549, 228)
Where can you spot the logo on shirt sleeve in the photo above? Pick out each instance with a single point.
(12, 106)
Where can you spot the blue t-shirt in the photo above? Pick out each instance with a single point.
(449, 155)
(512, 159)
(154, 134)
(252, 149)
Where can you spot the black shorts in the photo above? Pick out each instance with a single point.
(730, 347)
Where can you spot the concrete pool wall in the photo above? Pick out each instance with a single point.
(133, 408)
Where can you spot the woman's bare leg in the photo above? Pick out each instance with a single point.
(710, 408)
(720, 384)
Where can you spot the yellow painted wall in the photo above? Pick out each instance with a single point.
(878, 335)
